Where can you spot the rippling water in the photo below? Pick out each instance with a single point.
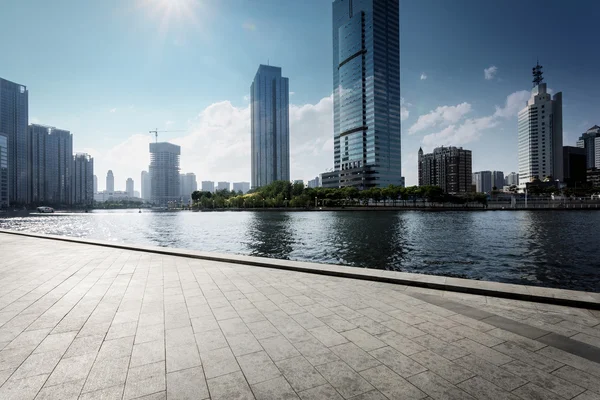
(554, 249)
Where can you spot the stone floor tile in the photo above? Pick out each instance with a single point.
(279, 348)
(243, 344)
(440, 347)
(477, 336)
(315, 352)
(587, 395)
(274, 389)
(187, 384)
(484, 352)
(183, 336)
(96, 329)
(391, 384)
(5, 374)
(300, 373)
(347, 382)
(318, 310)
(106, 373)
(145, 380)
(57, 342)
(529, 344)
(263, 329)
(258, 367)
(534, 359)
(233, 326)
(354, 356)
(368, 325)
(490, 372)
(403, 328)
(65, 391)
(307, 320)
(482, 389)
(27, 340)
(210, 340)
(219, 362)
(406, 317)
(472, 323)
(116, 348)
(585, 338)
(400, 343)
(439, 332)
(22, 389)
(230, 386)
(324, 392)
(122, 330)
(205, 323)
(84, 345)
(543, 379)
(397, 362)
(222, 313)
(111, 393)
(437, 387)
(251, 315)
(532, 391)
(150, 333)
(148, 353)
(153, 318)
(571, 359)
(329, 337)
(375, 315)
(182, 357)
(372, 395)
(578, 377)
(338, 323)
(71, 369)
(37, 364)
(448, 370)
(290, 308)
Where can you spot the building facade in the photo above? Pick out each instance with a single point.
(164, 173)
(110, 181)
(540, 134)
(314, 183)
(497, 180)
(590, 141)
(222, 186)
(483, 181)
(448, 168)
(95, 184)
(129, 187)
(4, 173)
(14, 120)
(83, 180)
(187, 186)
(574, 166)
(330, 179)
(243, 187)
(366, 93)
(208, 186)
(146, 192)
(511, 179)
(270, 126)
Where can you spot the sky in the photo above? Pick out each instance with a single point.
(112, 70)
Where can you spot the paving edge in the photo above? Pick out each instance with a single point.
(588, 300)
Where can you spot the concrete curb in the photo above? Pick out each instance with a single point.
(562, 297)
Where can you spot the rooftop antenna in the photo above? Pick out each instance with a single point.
(537, 74)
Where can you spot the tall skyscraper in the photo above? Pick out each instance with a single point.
(83, 179)
(146, 191)
(512, 179)
(187, 185)
(208, 186)
(164, 173)
(270, 131)
(540, 134)
(590, 141)
(110, 181)
(574, 166)
(95, 184)
(129, 187)
(14, 118)
(497, 180)
(38, 138)
(483, 181)
(4, 196)
(243, 187)
(448, 168)
(222, 186)
(366, 92)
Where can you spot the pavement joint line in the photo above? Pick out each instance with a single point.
(399, 278)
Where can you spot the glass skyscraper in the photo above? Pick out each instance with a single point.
(366, 92)
(164, 173)
(4, 202)
(269, 108)
(14, 118)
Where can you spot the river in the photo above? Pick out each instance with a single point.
(544, 248)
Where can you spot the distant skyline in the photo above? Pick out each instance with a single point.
(116, 69)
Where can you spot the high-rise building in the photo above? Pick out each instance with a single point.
(146, 191)
(83, 180)
(95, 184)
(590, 141)
(366, 93)
(208, 186)
(187, 186)
(540, 134)
(512, 179)
(270, 131)
(448, 168)
(313, 183)
(483, 181)
(136, 194)
(14, 118)
(574, 166)
(129, 187)
(222, 186)
(110, 181)
(243, 187)
(164, 172)
(4, 173)
(497, 180)
(38, 138)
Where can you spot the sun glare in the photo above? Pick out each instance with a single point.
(172, 14)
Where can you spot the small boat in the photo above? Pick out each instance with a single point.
(45, 209)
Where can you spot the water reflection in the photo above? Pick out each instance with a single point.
(269, 234)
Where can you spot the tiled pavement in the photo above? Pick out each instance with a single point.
(92, 322)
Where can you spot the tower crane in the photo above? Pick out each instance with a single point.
(156, 131)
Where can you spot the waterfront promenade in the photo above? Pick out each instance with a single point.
(80, 320)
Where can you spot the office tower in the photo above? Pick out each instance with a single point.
(110, 182)
(313, 183)
(497, 180)
(512, 179)
(540, 134)
(14, 117)
(38, 138)
(4, 193)
(146, 191)
(95, 184)
(330, 179)
(366, 93)
(270, 130)
(187, 186)
(448, 168)
(590, 141)
(222, 186)
(483, 181)
(83, 180)
(243, 187)
(129, 187)
(136, 194)
(574, 166)
(208, 186)
(164, 173)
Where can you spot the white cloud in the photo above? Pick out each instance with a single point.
(404, 109)
(292, 93)
(460, 134)
(169, 123)
(490, 73)
(112, 110)
(423, 76)
(34, 120)
(442, 115)
(515, 102)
